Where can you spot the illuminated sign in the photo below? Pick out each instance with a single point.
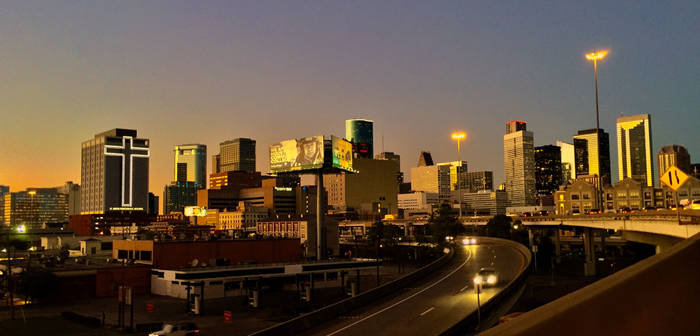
(125, 209)
(127, 152)
(198, 211)
(297, 154)
(342, 153)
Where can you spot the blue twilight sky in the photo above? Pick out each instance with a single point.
(208, 71)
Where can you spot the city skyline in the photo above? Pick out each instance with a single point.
(429, 84)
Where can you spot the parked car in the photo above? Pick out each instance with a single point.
(625, 210)
(177, 329)
(575, 212)
(544, 213)
(649, 208)
(594, 212)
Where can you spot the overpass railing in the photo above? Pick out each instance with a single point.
(656, 296)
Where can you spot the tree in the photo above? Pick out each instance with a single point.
(443, 223)
(499, 226)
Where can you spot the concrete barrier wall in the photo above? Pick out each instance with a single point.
(314, 318)
(656, 296)
(499, 303)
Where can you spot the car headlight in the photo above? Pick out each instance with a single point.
(491, 279)
(477, 280)
(473, 241)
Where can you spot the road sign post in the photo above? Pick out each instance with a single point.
(674, 178)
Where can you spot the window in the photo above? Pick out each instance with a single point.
(634, 194)
(647, 195)
(586, 196)
(574, 196)
(609, 196)
(122, 254)
(621, 194)
(146, 255)
(93, 250)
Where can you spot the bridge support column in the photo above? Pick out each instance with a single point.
(589, 262)
(557, 245)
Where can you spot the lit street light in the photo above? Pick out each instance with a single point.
(459, 136)
(595, 56)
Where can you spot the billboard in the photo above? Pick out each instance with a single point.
(342, 153)
(198, 211)
(297, 154)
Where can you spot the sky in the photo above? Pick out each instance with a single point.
(209, 71)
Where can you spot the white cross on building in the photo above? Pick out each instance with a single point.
(127, 152)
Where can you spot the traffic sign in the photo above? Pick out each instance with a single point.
(673, 178)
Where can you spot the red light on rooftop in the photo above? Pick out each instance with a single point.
(516, 121)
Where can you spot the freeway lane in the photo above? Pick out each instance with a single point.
(439, 302)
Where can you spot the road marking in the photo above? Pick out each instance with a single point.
(427, 311)
(464, 288)
(406, 299)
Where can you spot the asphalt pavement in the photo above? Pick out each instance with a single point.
(439, 302)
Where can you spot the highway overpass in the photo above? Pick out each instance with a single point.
(441, 300)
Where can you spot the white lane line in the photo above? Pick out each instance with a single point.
(464, 288)
(406, 299)
(427, 311)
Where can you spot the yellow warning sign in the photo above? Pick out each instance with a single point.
(673, 178)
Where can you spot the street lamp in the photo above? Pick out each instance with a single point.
(459, 136)
(595, 56)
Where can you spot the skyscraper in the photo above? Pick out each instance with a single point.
(73, 191)
(519, 163)
(456, 170)
(548, 175)
(476, 181)
(393, 157)
(360, 133)
(3, 190)
(673, 155)
(432, 179)
(178, 195)
(236, 155)
(568, 161)
(425, 159)
(34, 207)
(634, 149)
(114, 172)
(191, 164)
(592, 154)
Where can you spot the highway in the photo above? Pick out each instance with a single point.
(439, 302)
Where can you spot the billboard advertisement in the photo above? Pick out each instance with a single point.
(198, 211)
(297, 154)
(342, 153)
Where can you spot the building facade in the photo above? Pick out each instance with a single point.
(488, 203)
(568, 161)
(456, 170)
(634, 149)
(235, 180)
(191, 164)
(360, 132)
(178, 195)
(432, 179)
(236, 155)
(114, 172)
(548, 174)
(73, 191)
(673, 155)
(3, 190)
(519, 163)
(374, 182)
(592, 154)
(476, 181)
(418, 200)
(34, 207)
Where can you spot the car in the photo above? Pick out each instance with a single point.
(649, 208)
(575, 212)
(177, 329)
(693, 205)
(594, 212)
(469, 241)
(527, 214)
(544, 213)
(624, 210)
(675, 207)
(486, 277)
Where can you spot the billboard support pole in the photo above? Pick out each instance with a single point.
(319, 212)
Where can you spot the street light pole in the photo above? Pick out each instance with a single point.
(595, 56)
(478, 304)
(459, 136)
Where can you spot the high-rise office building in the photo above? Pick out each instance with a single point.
(425, 159)
(191, 164)
(3, 190)
(432, 179)
(568, 161)
(592, 154)
(673, 155)
(634, 149)
(114, 172)
(361, 133)
(34, 207)
(519, 163)
(178, 195)
(548, 174)
(456, 169)
(153, 204)
(392, 157)
(375, 182)
(235, 155)
(476, 181)
(73, 191)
